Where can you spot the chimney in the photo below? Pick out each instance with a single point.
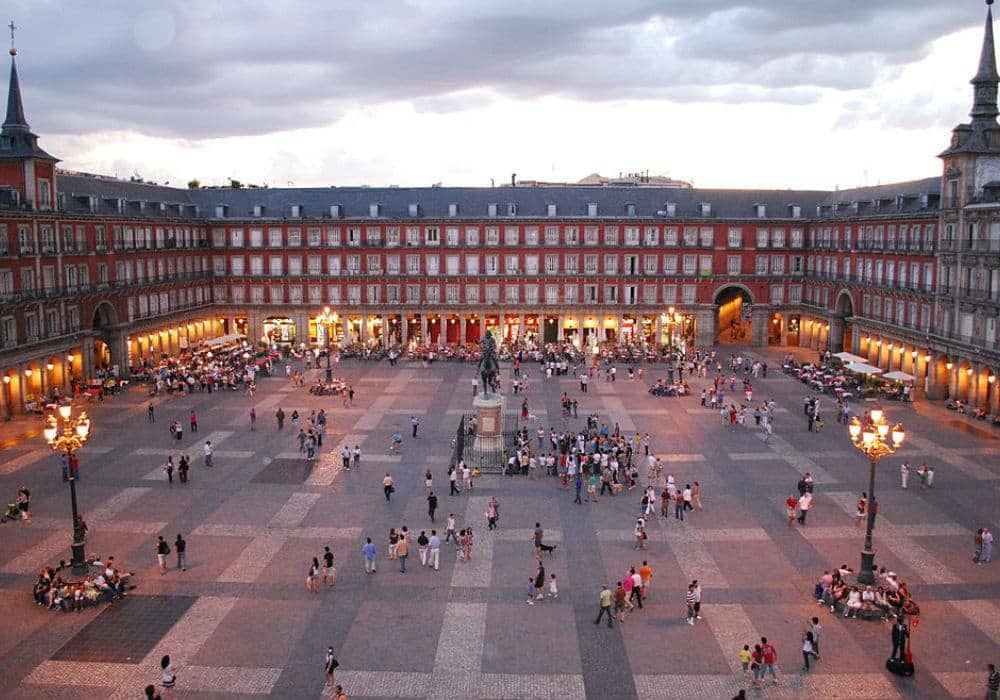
(513, 179)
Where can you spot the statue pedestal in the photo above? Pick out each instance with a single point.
(488, 445)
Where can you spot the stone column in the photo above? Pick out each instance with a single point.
(658, 329)
(87, 358)
(364, 328)
(760, 316)
(706, 328)
(559, 328)
(423, 328)
(461, 329)
(520, 326)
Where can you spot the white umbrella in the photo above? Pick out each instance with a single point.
(849, 357)
(899, 376)
(862, 368)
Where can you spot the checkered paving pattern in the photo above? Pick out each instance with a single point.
(240, 620)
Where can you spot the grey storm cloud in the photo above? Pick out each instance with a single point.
(220, 68)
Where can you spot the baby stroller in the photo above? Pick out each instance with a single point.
(13, 512)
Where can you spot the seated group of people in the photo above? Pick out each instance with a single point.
(106, 581)
(663, 388)
(888, 598)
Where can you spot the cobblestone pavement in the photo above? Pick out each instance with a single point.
(239, 621)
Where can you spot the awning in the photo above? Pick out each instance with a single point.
(849, 357)
(899, 376)
(861, 368)
(224, 340)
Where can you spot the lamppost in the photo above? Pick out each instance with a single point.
(876, 440)
(329, 321)
(75, 432)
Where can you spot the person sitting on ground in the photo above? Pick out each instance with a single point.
(854, 603)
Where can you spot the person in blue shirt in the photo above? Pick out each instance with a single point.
(369, 552)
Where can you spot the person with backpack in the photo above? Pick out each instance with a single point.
(162, 549)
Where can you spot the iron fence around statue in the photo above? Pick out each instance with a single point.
(488, 461)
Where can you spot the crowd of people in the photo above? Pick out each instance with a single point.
(105, 582)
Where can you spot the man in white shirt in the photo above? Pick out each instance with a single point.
(207, 449)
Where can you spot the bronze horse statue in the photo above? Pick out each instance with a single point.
(489, 365)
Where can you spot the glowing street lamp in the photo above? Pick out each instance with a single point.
(873, 436)
(67, 439)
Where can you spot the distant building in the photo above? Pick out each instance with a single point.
(97, 272)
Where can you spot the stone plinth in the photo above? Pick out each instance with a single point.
(489, 424)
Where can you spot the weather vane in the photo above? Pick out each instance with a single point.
(13, 28)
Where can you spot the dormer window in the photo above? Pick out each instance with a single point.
(670, 208)
(258, 210)
(551, 209)
(374, 210)
(491, 210)
(335, 211)
(629, 210)
(760, 210)
(705, 208)
(220, 210)
(511, 209)
(592, 209)
(453, 210)
(855, 207)
(414, 210)
(796, 211)
(296, 211)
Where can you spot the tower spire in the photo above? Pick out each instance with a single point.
(984, 106)
(15, 108)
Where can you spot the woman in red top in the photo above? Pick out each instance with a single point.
(791, 502)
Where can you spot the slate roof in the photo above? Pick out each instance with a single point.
(473, 203)
(912, 192)
(16, 139)
(530, 202)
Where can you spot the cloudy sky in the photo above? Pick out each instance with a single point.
(746, 93)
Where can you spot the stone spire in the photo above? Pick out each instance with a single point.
(984, 106)
(16, 139)
(15, 108)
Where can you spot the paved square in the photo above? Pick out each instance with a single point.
(240, 621)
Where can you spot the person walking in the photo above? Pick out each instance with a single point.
(604, 601)
(992, 682)
(180, 546)
(449, 528)
(208, 450)
(345, 458)
(815, 628)
(402, 553)
(168, 679)
(329, 573)
(453, 481)
(696, 496)
(369, 551)
(151, 413)
(356, 457)
(253, 419)
(330, 665)
(539, 545)
(689, 599)
(769, 657)
(313, 576)
(808, 649)
(434, 544)
(168, 469)
(422, 543)
(577, 487)
(805, 502)
(279, 415)
(432, 504)
(388, 486)
(904, 473)
(162, 549)
(987, 546)
(977, 553)
(414, 423)
(183, 466)
(193, 421)
(491, 515)
(540, 581)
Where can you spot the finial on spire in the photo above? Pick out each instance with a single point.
(13, 28)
